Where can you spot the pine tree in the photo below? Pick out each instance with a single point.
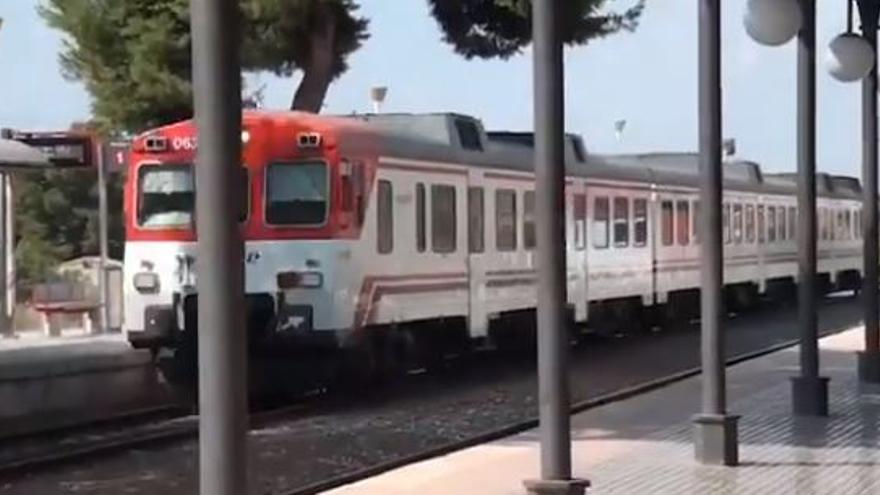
(502, 28)
(134, 56)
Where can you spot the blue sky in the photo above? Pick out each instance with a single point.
(647, 78)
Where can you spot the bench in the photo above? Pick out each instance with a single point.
(57, 300)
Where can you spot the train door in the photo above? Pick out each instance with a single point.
(576, 230)
(475, 216)
(641, 253)
(670, 257)
(652, 228)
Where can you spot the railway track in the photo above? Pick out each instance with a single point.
(28, 453)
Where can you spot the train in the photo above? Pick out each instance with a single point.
(401, 237)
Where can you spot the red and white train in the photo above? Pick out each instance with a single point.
(362, 229)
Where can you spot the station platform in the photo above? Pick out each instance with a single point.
(53, 382)
(644, 444)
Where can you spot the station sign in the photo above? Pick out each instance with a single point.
(61, 149)
(74, 149)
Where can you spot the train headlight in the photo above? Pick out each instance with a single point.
(146, 282)
(300, 280)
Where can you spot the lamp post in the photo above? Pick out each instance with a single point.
(772, 23)
(6, 327)
(869, 358)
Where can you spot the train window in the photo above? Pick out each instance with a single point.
(443, 238)
(832, 224)
(505, 219)
(738, 223)
(468, 135)
(842, 225)
(762, 230)
(529, 235)
(857, 220)
(667, 222)
(771, 224)
(476, 220)
(792, 223)
(621, 222)
(823, 222)
(750, 224)
(600, 223)
(781, 224)
(847, 222)
(580, 218)
(725, 223)
(829, 213)
(421, 241)
(385, 218)
(166, 196)
(346, 186)
(297, 193)
(640, 222)
(359, 181)
(683, 222)
(695, 215)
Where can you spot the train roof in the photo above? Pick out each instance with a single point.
(457, 138)
(453, 137)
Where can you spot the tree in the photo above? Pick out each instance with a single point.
(502, 28)
(134, 55)
(57, 219)
(313, 36)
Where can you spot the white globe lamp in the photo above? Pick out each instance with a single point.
(849, 57)
(772, 22)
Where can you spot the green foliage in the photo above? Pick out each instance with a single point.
(134, 56)
(278, 33)
(502, 28)
(57, 219)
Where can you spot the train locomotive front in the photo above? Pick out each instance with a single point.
(301, 209)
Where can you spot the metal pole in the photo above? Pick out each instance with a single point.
(10, 253)
(809, 391)
(102, 240)
(553, 386)
(222, 342)
(715, 431)
(869, 359)
(5, 326)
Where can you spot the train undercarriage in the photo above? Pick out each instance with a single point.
(284, 362)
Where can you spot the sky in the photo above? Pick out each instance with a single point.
(648, 78)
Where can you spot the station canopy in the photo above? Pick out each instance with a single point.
(17, 155)
(22, 151)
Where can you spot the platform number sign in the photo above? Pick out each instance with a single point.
(74, 150)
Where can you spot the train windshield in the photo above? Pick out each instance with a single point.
(166, 196)
(297, 193)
